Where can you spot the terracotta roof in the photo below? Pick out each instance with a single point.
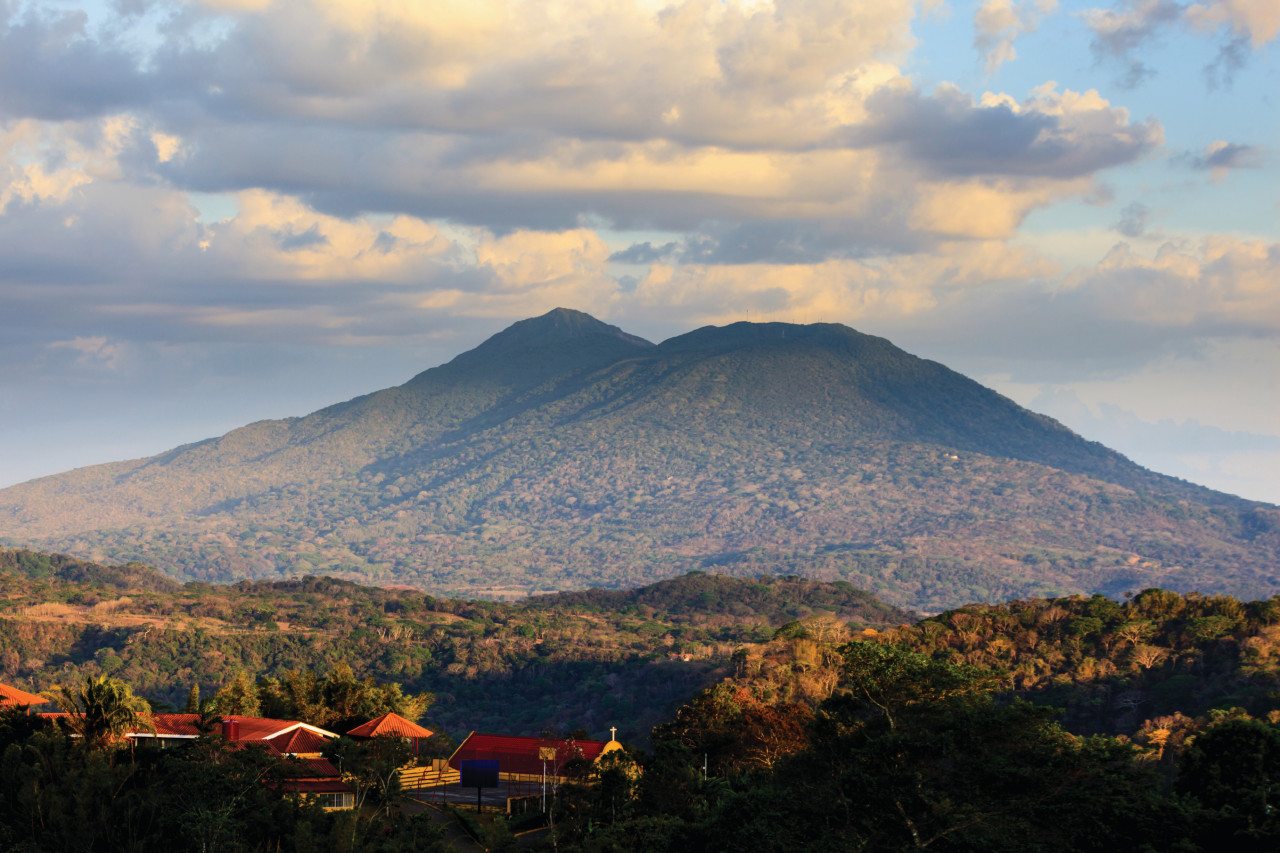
(522, 754)
(297, 741)
(14, 696)
(261, 728)
(319, 767)
(279, 736)
(176, 724)
(392, 725)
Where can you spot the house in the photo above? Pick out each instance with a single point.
(286, 738)
(528, 770)
(289, 740)
(12, 697)
(391, 725)
(317, 778)
(528, 759)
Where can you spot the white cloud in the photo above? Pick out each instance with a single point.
(94, 351)
(1217, 285)
(997, 24)
(1256, 20)
(1122, 34)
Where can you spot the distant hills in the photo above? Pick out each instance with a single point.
(590, 658)
(564, 453)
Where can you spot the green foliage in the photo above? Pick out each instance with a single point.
(1233, 770)
(887, 681)
(100, 711)
(239, 696)
(206, 796)
(1113, 665)
(909, 753)
(594, 657)
(337, 701)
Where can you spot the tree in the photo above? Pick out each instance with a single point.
(101, 711)
(916, 754)
(888, 681)
(239, 696)
(338, 700)
(1233, 770)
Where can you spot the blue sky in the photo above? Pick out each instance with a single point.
(217, 211)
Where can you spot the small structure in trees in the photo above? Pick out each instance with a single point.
(391, 724)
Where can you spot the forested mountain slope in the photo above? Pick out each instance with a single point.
(590, 659)
(564, 453)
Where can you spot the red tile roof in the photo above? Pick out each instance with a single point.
(318, 767)
(392, 725)
(176, 724)
(297, 741)
(14, 696)
(279, 736)
(261, 728)
(522, 754)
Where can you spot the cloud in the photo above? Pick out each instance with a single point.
(52, 69)
(854, 291)
(1257, 21)
(94, 351)
(997, 24)
(1052, 134)
(974, 303)
(1117, 426)
(1221, 157)
(644, 253)
(1121, 35)
(1133, 220)
(735, 115)
(1218, 285)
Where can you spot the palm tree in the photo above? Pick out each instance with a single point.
(101, 711)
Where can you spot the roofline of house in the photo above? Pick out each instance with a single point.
(458, 748)
(300, 725)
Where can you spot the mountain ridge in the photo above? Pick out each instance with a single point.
(563, 452)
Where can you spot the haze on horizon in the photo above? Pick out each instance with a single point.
(217, 211)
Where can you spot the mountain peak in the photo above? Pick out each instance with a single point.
(558, 326)
(745, 334)
(558, 343)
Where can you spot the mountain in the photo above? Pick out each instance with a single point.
(564, 453)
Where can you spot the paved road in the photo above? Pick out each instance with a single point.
(454, 836)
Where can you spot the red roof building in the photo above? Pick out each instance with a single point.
(299, 742)
(12, 696)
(391, 725)
(319, 780)
(279, 737)
(522, 758)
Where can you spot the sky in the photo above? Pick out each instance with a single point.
(218, 211)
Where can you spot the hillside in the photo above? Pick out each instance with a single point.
(564, 453)
(774, 714)
(557, 662)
